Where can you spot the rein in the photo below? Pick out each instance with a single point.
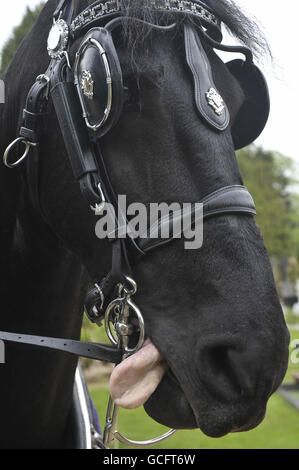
(70, 89)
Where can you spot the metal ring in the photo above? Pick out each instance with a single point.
(109, 311)
(137, 312)
(139, 345)
(13, 145)
(133, 284)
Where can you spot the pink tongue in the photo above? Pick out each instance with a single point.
(137, 377)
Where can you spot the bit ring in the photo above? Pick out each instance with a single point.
(141, 326)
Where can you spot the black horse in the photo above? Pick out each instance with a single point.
(213, 313)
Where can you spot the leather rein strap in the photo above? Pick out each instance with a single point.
(98, 352)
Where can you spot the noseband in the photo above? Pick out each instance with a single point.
(84, 121)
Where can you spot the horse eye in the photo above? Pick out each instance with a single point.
(153, 78)
(131, 91)
(147, 82)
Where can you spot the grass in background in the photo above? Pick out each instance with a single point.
(291, 318)
(279, 430)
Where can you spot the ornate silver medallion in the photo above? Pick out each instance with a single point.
(215, 100)
(87, 84)
(58, 39)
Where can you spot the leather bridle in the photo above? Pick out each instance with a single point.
(89, 169)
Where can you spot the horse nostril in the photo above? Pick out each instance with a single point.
(223, 368)
(218, 359)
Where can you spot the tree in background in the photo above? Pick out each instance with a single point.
(269, 178)
(295, 230)
(18, 34)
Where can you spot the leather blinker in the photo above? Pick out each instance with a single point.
(98, 78)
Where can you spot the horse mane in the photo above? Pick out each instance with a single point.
(241, 26)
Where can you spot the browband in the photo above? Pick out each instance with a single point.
(100, 10)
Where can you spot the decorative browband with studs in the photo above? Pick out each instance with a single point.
(100, 9)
